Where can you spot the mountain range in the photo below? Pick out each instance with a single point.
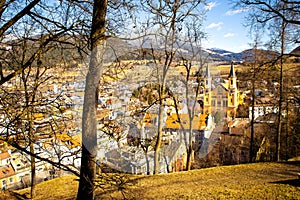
(124, 50)
(210, 54)
(221, 55)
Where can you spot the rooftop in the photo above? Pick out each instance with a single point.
(198, 123)
(6, 171)
(4, 155)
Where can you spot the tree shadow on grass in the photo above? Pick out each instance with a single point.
(12, 195)
(291, 182)
(123, 188)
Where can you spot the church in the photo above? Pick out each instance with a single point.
(222, 96)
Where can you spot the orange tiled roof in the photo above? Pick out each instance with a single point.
(149, 119)
(4, 155)
(6, 171)
(101, 114)
(198, 123)
(74, 141)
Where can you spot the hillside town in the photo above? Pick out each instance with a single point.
(217, 121)
(149, 99)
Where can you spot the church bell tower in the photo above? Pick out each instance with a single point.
(232, 92)
(207, 91)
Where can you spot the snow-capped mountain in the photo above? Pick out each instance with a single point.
(216, 54)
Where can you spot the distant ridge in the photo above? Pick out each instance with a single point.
(118, 49)
(296, 51)
(221, 55)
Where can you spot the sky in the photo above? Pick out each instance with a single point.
(224, 27)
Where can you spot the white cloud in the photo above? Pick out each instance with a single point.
(234, 12)
(229, 35)
(218, 26)
(210, 5)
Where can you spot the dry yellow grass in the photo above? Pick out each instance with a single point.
(249, 181)
(60, 188)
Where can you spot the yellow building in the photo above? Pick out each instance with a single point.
(223, 97)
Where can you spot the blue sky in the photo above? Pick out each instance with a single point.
(224, 27)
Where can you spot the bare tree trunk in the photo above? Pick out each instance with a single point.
(287, 126)
(158, 139)
(253, 96)
(29, 118)
(278, 140)
(147, 162)
(189, 157)
(251, 156)
(190, 150)
(33, 172)
(86, 188)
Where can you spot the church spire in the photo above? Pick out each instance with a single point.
(207, 78)
(207, 73)
(232, 71)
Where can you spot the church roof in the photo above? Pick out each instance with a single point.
(224, 85)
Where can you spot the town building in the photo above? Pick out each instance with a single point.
(221, 96)
(7, 173)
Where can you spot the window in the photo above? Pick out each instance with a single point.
(219, 90)
(213, 103)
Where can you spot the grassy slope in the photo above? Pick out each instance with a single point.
(250, 181)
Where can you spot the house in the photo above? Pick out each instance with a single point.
(201, 126)
(4, 158)
(228, 144)
(174, 157)
(126, 160)
(8, 176)
(262, 111)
